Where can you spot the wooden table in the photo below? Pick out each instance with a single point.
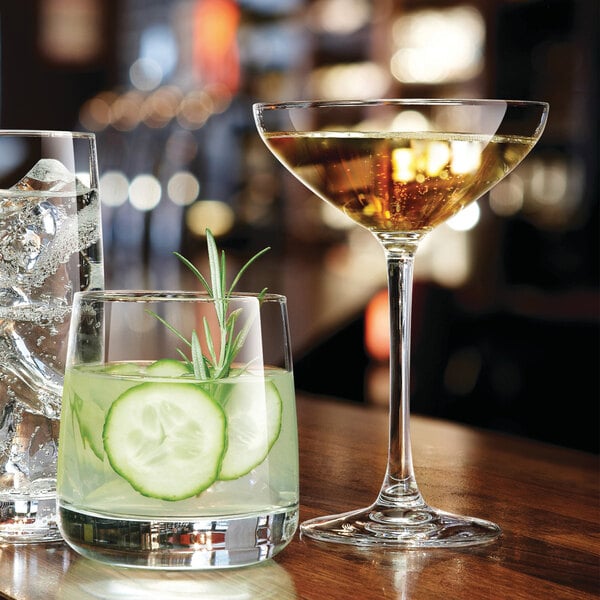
(545, 498)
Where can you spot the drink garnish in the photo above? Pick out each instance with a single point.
(152, 454)
(253, 411)
(215, 365)
(229, 426)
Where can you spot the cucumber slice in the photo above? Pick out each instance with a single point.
(80, 457)
(123, 368)
(89, 418)
(253, 410)
(166, 439)
(167, 367)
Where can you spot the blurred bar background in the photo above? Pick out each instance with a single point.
(506, 306)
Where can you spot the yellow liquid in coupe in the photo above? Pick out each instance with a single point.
(398, 182)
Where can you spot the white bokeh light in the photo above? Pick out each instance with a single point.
(348, 81)
(466, 219)
(183, 188)
(145, 192)
(145, 74)
(438, 45)
(114, 188)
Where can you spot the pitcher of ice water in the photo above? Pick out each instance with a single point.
(50, 248)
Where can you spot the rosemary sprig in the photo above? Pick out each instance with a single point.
(213, 364)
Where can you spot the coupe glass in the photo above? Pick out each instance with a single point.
(399, 168)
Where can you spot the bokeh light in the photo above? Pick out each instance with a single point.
(145, 192)
(69, 32)
(410, 120)
(339, 17)
(145, 74)
(160, 107)
(95, 114)
(438, 45)
(209, 214)
(466, 219)
(126, 110)
(507, 197)
(348, 81)
(466, 156)
(194, 110)
(114, 188)
(183, 188)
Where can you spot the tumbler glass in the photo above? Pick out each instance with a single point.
(50, 248)
(178, 440)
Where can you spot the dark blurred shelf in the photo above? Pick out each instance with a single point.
(531, 369)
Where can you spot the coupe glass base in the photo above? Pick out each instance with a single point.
(422, 527)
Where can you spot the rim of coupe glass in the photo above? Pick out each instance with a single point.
(46, 133)
(397, 101)
(170, 296)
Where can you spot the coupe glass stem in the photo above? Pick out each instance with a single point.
(399, 485)
(400, 517)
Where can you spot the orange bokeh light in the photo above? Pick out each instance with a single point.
(216, 53)
(377, 327)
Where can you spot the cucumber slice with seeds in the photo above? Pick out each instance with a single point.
(166, 439)
(253, 411)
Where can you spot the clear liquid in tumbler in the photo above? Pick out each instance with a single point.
(50, 248)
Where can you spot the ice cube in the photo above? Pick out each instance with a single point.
(26, 374)
(24, 237)
(48, 174)
(42, 225)
(12, 297)
(81, 188)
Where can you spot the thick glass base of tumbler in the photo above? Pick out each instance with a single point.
(198, 543)
(28, 520)
(422, 527)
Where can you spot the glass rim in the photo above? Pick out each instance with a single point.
(171, 296)
(47, 133)
(398, 102)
